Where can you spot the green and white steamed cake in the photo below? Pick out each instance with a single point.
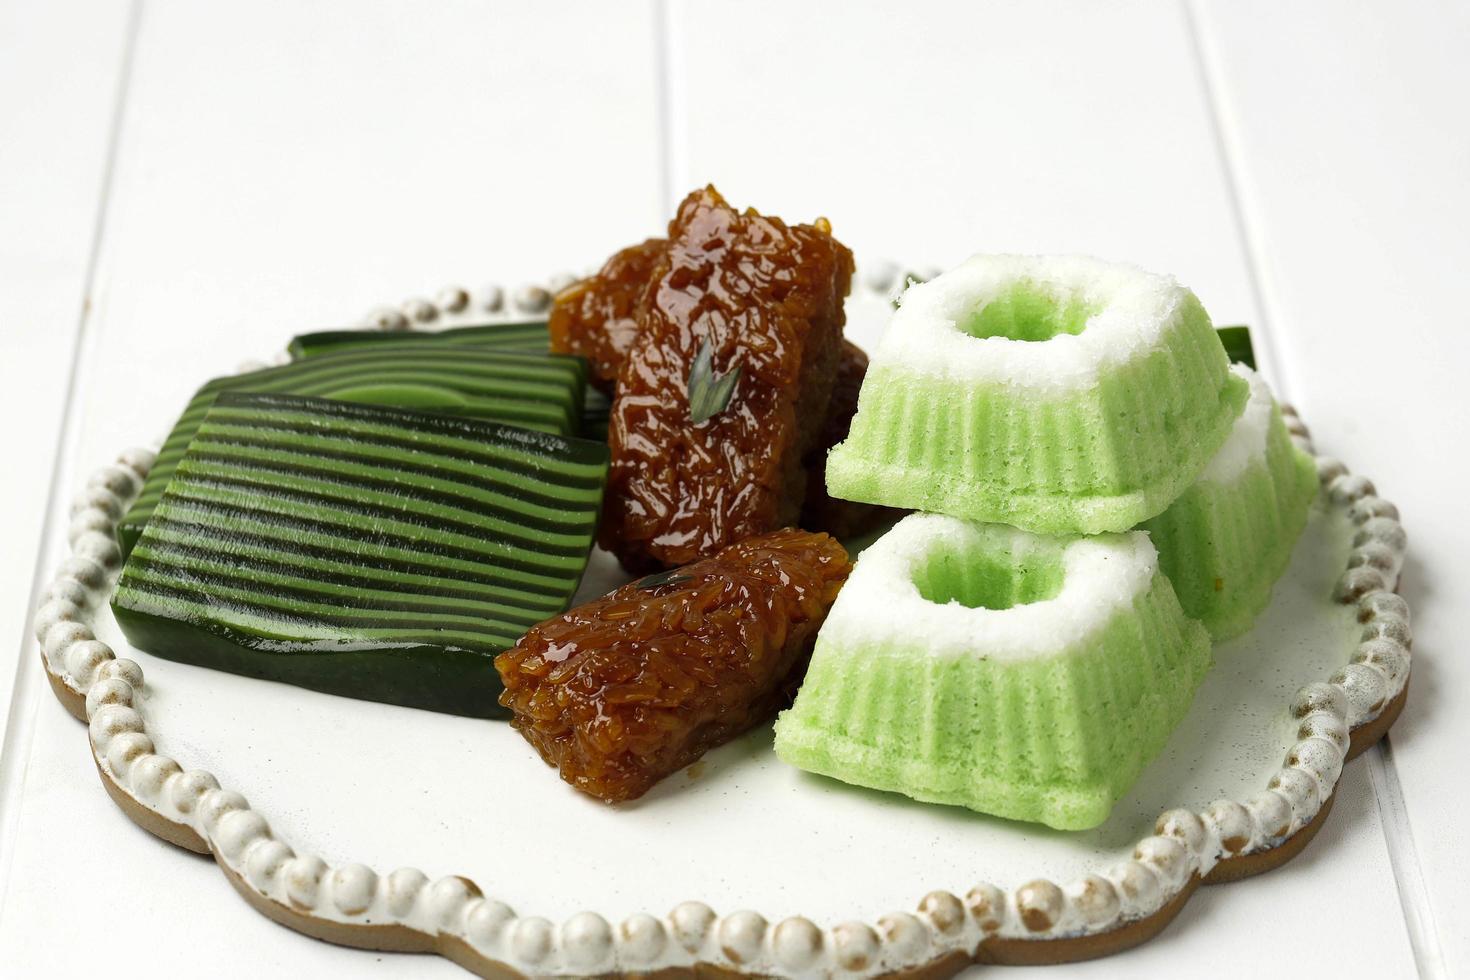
(1026, 676)
(1056, 394)
(1228, 538)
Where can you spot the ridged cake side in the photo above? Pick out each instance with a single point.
(1056, 740)
(1100, 458)
(1017, 674)
(1229, 537)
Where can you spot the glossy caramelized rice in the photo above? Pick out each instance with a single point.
(821, 511)
(624, 690)
(766, 299)
(596, 317)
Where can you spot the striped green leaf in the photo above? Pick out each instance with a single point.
(528, 336)
(368, 551)
(542, 392)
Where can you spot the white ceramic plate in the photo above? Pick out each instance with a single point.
(353, 782)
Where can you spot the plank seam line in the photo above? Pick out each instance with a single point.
(672, 141)
(25, 695)
(1229, 157)
(1403, 854)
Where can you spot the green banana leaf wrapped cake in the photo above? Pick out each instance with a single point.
(361, 550)
(530, 391)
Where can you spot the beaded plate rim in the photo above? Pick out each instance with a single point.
(1037, 922)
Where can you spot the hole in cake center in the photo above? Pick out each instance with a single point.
(987, 581)
(1025, 312)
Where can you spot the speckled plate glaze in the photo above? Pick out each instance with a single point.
(1243, 785)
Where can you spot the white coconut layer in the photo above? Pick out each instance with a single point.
(1246, 443)
(1132, 310)
(881, 606)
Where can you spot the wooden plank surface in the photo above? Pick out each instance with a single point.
(1031, 128)
(287, 165)
(950, 129)
(1354, 152)
(61, 73)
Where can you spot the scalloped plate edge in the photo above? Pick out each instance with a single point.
(1036, 923)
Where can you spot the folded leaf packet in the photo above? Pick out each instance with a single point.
(539, 392)
(367, 551)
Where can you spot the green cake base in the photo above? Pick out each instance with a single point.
(1224, 544)
(1102, 458)
(1055, 739)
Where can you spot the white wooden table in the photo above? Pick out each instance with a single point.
(183, 185)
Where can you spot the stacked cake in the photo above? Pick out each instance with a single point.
(1103, 492)
(1226, 539)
